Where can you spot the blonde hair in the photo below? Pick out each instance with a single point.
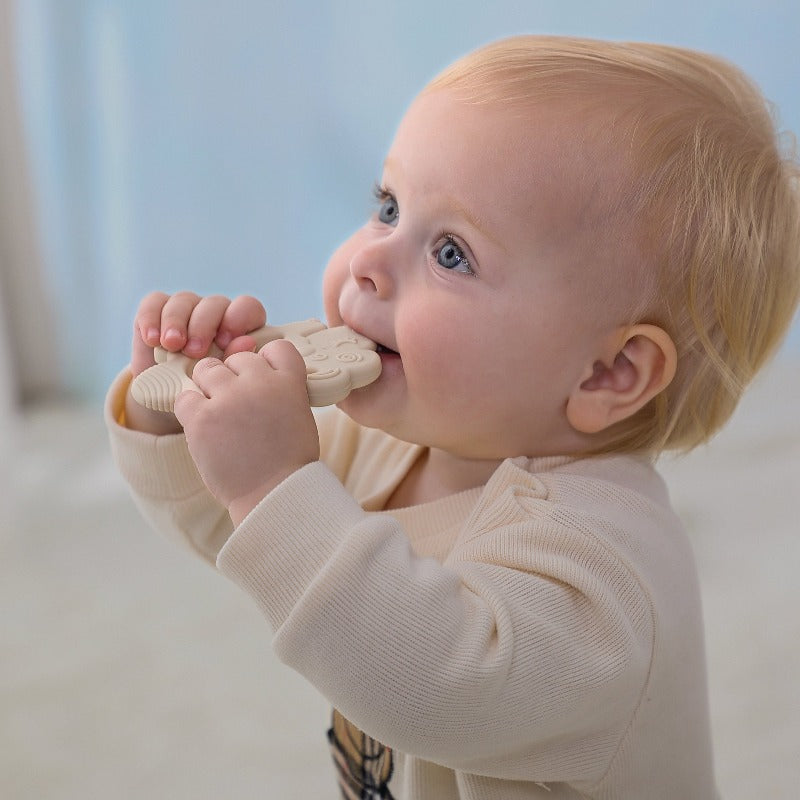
(714, 204)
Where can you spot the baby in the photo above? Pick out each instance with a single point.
(581, 252)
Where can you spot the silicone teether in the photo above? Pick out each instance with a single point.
(338, 360)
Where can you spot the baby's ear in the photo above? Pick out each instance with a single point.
(617, 386)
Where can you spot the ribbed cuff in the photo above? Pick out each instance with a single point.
(286, 541)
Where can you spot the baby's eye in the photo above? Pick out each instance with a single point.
(451, 256)
(388, 212)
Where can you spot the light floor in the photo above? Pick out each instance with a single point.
(128, 670)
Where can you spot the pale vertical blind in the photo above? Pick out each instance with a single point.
(28, 365)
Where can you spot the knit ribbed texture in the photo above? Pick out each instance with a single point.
(539, 637)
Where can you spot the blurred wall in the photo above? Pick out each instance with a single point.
(229, 147)
(28, 358)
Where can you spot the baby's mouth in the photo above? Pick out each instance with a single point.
(383, 349)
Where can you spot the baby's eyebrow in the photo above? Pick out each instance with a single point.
(472, 220)
(390, 165)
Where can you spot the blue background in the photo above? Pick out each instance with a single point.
(229, 147)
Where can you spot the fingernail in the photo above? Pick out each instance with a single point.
(224, 338)
(173, 333)
(152, 335)
(194, 344)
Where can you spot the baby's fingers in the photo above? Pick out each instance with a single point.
(283, 356)
(187, 405)
(186, 322)
(243, 315)
(147, 323)
(204, 324)
(175, 316)
(241, 344)
(146, 331)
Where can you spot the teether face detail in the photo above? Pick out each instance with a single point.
(337, 360)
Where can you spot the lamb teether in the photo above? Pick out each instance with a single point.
(337, 360)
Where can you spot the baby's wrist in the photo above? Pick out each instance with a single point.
(241, 506)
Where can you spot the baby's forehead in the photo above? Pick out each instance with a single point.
(552, 161)
(582, 131)
(573, 156)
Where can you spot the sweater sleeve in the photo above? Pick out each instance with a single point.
(167, 488)
(164, 482)
(530, 640)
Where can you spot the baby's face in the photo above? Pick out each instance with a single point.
(469, 277)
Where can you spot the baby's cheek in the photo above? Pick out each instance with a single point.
(442, 360)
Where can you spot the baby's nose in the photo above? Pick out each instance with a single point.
(371, 268)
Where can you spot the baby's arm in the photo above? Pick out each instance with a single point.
(510, 647)
(185, 322)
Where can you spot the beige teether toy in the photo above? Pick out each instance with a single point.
(338, 360)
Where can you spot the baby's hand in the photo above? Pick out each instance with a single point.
(251, 426)
(189, 323)
(185, 322)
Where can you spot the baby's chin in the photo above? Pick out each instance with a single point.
(355, 402)
(363, 407)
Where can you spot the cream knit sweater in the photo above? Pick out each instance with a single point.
(538, 637)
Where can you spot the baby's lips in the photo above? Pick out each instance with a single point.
(382, 348)
(380, 344)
